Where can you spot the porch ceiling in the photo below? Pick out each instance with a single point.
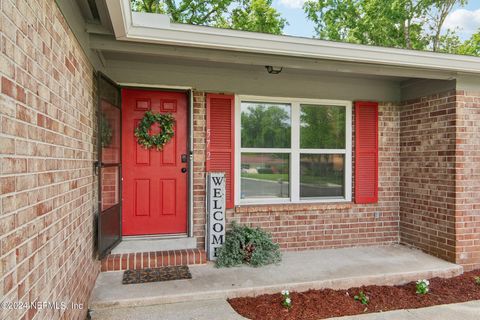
(111, 49)
(294, 70)
(246, 77)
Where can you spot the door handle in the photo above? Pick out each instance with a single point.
(184, 170)
(96, 167)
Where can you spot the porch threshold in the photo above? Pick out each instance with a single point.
(299, 271)
(149, 243)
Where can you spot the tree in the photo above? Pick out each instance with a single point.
(449, 42)
(411, 24)
(258, 16)
(198, 12)
(322, 127)
(248, 15)
(152, 6)
(437, 19)
(265, 126)
(471, 46)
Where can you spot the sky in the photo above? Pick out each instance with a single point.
(467, 19)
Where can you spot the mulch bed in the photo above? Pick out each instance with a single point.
(327, 303)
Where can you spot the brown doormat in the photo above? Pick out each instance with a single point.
(156, 274)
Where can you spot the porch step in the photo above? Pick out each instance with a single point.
(148, 244)
(153, 259)
(298, 271)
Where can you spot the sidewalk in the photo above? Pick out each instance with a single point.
(456, 311)
(194, 310)
(221, 310)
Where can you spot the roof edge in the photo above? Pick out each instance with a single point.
(155, 28)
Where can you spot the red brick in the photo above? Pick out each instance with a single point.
(9, 88)
(131, 260)
(7, 185)
(138, 261)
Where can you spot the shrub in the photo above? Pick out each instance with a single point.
(362, 297)
(286, 300)
(265, 170)
(252, 246)
(421, 286)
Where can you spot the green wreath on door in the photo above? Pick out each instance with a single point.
(166, 123)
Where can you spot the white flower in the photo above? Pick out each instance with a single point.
(288, 301)
(285, 293)
(426, 282)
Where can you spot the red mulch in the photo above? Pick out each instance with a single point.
(327, 303)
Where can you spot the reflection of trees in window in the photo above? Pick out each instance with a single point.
(105, 131)
(322, 168)
(322, 127)
(265, 126)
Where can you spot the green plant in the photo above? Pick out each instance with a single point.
(422, 286)
(166, 123)
(362, 297)
(252, 246)
(286, 300)
(477, 280)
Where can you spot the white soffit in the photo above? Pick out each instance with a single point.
(156, 28)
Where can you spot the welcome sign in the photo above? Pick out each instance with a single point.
(215, 235)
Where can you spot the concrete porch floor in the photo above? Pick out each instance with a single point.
(298, 271)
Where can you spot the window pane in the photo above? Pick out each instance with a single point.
(265, 175)
(265, 125)
(110, 132)
(322, 127)
(322, 175)
(110, 187)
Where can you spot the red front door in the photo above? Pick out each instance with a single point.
(154, 182)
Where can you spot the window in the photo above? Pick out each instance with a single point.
(292, 150)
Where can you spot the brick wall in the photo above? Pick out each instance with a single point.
(440, 176)
(467, 177)
(47, 192)
(427, 187)
(303, 226)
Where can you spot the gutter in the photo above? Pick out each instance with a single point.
(157, 28)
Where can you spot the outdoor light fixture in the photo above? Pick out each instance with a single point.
(273, 69)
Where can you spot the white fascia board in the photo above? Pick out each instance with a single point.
(120, 21)
(156, 28)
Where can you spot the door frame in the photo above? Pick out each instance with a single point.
(188, 91)
(98, 166)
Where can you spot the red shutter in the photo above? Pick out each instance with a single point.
(366, 152)
(220, 140)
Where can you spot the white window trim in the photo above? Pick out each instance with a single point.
(295, 150)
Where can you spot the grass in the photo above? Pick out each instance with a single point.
(284, 177)
(266, 176)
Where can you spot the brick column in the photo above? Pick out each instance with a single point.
(427, 185)
(440, 176)
(467, 178)
(199, 157)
